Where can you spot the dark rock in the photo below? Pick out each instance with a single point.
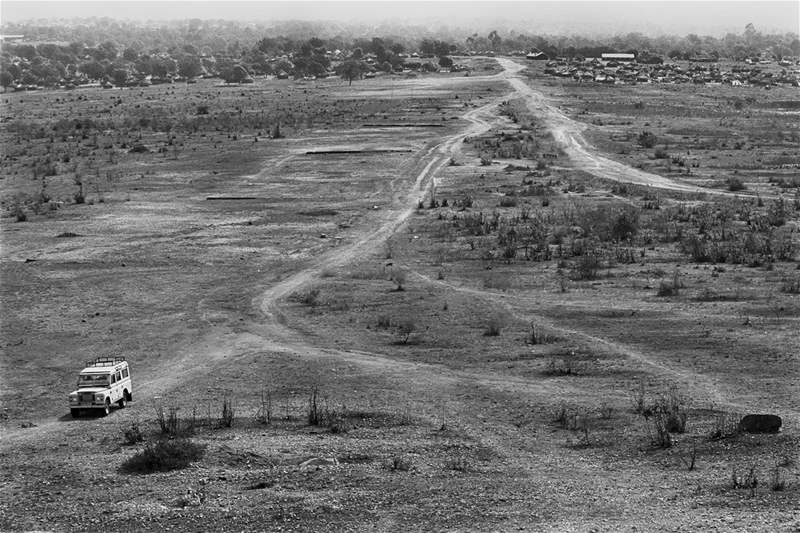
(760, 424)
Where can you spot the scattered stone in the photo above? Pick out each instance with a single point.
(760, 424)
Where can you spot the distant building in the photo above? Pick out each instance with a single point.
(536, 56)
(619, 58)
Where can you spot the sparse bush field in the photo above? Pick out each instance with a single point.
(501, 378)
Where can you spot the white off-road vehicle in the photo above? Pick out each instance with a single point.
(104, 381)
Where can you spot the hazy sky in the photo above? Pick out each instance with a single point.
(601, 17)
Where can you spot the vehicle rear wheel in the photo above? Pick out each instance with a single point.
(122, 402)
(128, 396)
(107, 408)
(75, 413)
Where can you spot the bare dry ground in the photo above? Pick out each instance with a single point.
(500, 361)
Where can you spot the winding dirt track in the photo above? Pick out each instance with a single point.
(273, 335)
(569, 134)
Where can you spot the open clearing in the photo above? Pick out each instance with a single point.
(483, 293)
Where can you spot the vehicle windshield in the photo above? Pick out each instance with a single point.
(93, 380)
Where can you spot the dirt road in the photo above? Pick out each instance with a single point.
(568, 133)
(272, 334)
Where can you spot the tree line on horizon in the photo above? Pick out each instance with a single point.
(121, 52)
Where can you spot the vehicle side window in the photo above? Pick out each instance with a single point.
(124, 372)
(113, 378)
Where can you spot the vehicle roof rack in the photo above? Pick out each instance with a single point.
(105, 361)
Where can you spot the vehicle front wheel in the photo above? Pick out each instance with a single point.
(122, 403)
(107, 408)
(75, 413)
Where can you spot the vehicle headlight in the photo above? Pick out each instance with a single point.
(99, 397)
(73, 398)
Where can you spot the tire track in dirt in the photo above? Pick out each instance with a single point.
(219, 344)
(701, 385)
(568, 133)
(435, 158)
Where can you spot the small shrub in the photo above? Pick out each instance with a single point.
(314, 413)
(405, 328)
(264, 414)
(606, 412)
(667, 415)
(747, 481)
(133, 434)
(508, 201)
(537, 336)
(778, 481)
(494, 326)
(168, 420)
(228, 413)
(560, 367)
(398, 275)
(562, 416)
(791, 285)
(399, 464)
(139, 149)
(587, 267)
(164, 455)
(383, 322)
(735, 184)
(19, 213)
(673, 406)
(670, 287)
(659, 435)
(691, 461)
(660, 153)
(646, 139)
(310, 298)
(725, 425)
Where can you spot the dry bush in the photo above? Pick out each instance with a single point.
(647, 139)
(791, 285)
(668, 414)
(735, 184)
(399, 464)
(494, 326)
(537, 336)
(264, 413)
(321, 415)
(747, 481)
(586, 267)
(670, 287)
(561, 367)
(132, 434)
(778, 482)
(228, 413)
(168, 420)
(405, 327)
(164, 455)
(725, 425)
(310, 297)
(398, 276)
